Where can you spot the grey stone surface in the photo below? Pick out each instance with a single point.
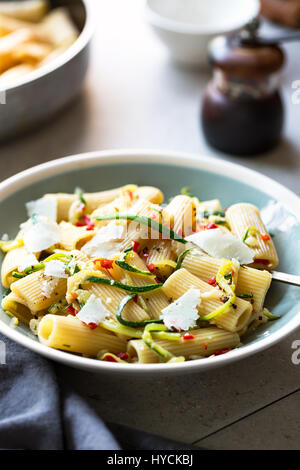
(135, 97)
(276, 427)
(190, 407)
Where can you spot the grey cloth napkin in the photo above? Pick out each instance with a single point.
(38, 412)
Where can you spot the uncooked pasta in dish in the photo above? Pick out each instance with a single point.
(121, 276)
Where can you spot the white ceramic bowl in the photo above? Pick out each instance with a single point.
(208, 177)
(187, 26)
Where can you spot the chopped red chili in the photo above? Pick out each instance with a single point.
(85, 221)
(123, 356)
(135, 298)
(265, 237)
(262, 261)
(211, 226)
(212, 281)
(205, 346)
(188, 336)
(135, 246)
(92, 326)
(106, 263)
(109, 358)
(222, 351)
(71, 310)
(151, 268)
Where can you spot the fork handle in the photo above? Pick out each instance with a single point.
(291, 279)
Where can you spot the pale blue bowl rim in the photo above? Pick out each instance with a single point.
(287, 198)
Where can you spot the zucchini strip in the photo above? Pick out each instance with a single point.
(270, 316)
(207, 214)
(128, 267)
(180, 258)
(153, 224)
(117, 328)
(37, 267)
(120, 285)
(163, 353)
(9, 245)
(131, 324)
(228, 289)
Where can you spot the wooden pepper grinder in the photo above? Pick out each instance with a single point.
(242, 110)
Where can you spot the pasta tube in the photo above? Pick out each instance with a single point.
(206, 342)
(245, 221)
(250, 282)
(69, 334)
(234, 319)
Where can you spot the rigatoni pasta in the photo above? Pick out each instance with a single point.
(245, 222)
(118, 276)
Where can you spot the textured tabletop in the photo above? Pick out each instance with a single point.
(135, 97)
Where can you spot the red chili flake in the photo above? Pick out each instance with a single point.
(106, 263)
(130, 194)
(211, 226)
(205, 346)
(188, 336)
(222, 351)
(123, 356)
(82, 207)
(92, 326)
(90, 227)
(135, 246)
(232, 273)
(71, 310)
(109, 358)
(262, 261)
(265, 237)
(135, 298)
(212, 281)
(151, 268)
(80, 224)
(87, 220)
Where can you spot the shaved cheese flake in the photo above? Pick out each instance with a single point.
(42, 235)
(104, 244)
(221, 244)
(28, 260)
(93, 311)
(46, 206)
(48, 286)
(55, 268)
(183, 314)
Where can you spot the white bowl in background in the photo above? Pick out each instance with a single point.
(187, 26)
